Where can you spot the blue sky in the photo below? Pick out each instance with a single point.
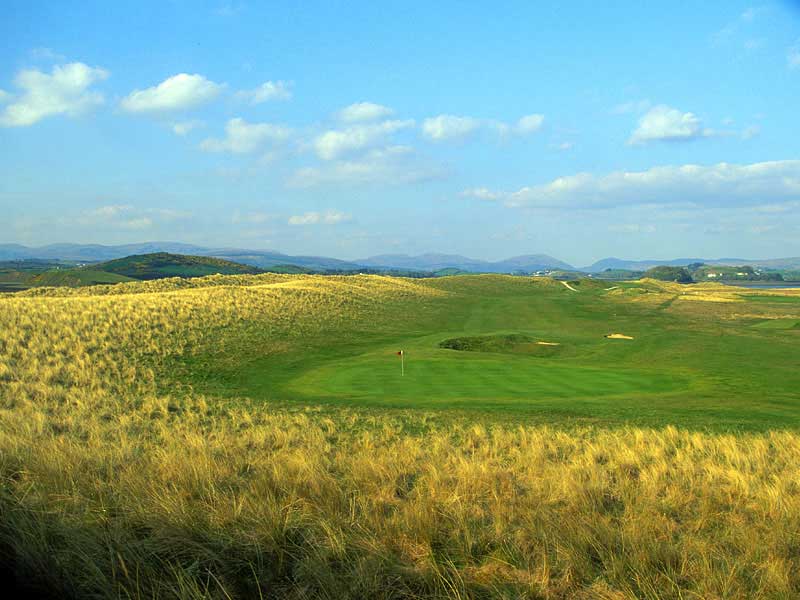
(350, 129)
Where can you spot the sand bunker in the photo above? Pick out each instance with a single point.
(548, 343)
(568, 286)
(618, 336)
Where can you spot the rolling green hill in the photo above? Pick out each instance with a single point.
(18, 280)
(160, 265)
(76, 278)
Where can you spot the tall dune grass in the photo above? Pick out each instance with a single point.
(113, 486)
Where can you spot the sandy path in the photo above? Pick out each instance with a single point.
(568, 286)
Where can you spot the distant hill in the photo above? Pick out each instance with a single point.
(32, 265)
(267, 259)
(640, 265)
(423, 262)
(159, 265)
(666, 273)
(791, 263)
(90, 253)
(438, 262)
(430, 263)
(532, 262)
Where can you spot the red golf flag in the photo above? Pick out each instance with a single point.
(400, 353)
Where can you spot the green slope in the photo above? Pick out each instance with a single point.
(75, 278)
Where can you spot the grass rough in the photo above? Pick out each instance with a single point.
(124, 474)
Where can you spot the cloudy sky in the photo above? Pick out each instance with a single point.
(350, 129)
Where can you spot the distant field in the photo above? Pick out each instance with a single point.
(8, 286)
(252, 436)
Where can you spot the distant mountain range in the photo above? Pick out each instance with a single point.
(643, 265)
(100, 253)
(265, 259)
(436, 262)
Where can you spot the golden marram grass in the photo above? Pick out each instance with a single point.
(167, 493)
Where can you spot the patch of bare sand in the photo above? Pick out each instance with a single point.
(568, 286)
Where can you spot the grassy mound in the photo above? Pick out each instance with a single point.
(512, 342)
(77, 278)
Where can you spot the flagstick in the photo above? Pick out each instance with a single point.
(402, 364)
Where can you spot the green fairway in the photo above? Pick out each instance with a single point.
(687, 363)
(773, 299)
(778, 324)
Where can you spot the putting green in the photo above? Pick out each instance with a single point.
(448, 375)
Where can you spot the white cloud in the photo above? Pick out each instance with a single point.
(336, 142)
(663, 123)
(109, 211)
(4, 96)
(169, 214)
(269, 90)
(723, 185)
(529, 124)
(178, 92)
(138, 223)
(126, 216)
(364, 111)
(782, 207)
(65, 90)
(449, 127)
(793, 56)
(243, 137)
(483, 193)
(184, 127)
(394, 165)
(250, 218)
(331, 217)
(46, 54)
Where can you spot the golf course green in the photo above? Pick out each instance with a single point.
(540, 351)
